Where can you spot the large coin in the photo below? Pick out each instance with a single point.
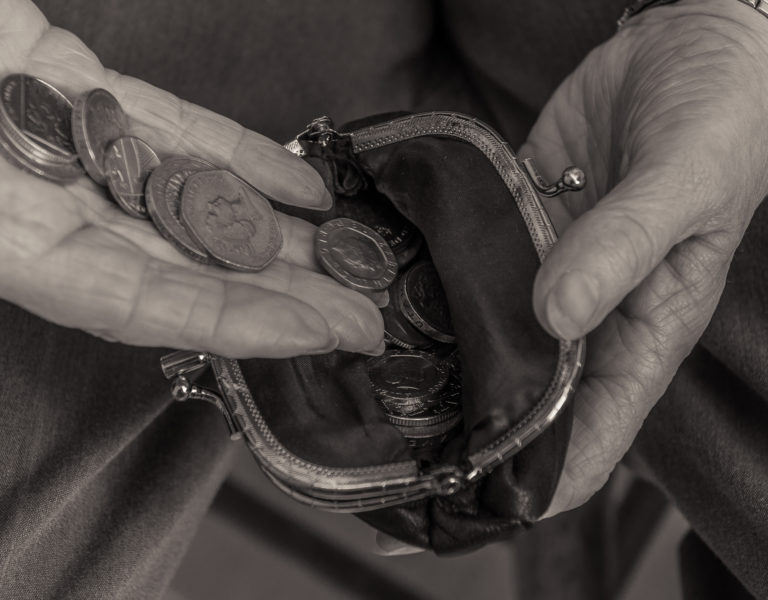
(423, 302)
(398, 330)
(355, 255)
(401, 235)
(37, 117)
(440, 413)
(128, 163)
(407, 381)
(97, 120)
(230, 219)
(163, 198)
(432, 427)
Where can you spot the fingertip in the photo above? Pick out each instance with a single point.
(377, 351)
(362, 330)
(571, 305)
(385, 545)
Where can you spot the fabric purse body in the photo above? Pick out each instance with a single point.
(312, 422)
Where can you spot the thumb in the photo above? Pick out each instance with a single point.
(611, 248)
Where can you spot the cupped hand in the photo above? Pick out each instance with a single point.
(71, 256)
(668, 120)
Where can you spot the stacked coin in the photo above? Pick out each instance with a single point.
(35, 128)
(208, 214)
(417, 381)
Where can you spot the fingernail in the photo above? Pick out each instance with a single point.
(326, 200)
(389, 546)
(329, 347)
(381, 299)
(571, 304)
(377, 351)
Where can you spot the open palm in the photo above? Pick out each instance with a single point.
(71, 256)
(658, 117)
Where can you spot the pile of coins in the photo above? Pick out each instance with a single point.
(208, 214)
(417, 381)
(213, 216)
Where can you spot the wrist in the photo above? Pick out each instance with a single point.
(750, 16)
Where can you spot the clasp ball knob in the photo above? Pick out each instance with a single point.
(181, 389)
(574, 178)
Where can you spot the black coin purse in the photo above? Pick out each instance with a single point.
(312, 423)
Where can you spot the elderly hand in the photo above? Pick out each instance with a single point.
(72, 257)
(668, 120)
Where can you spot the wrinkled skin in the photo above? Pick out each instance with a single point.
(71, 256)
(667, 119)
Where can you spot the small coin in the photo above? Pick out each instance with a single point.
(355, 255)
(424, 304)
(163, 198)
(407, 381)
(97, 121)
(231, 220)
(38, 117)
(401, 235)
(128, 161)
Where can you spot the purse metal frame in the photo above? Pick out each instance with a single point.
(358, 489)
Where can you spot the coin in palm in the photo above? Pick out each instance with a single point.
(128, 162)
(163, 198)
(35, 128)
(97, 121)
(231, 220)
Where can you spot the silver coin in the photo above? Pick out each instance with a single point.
(60, 173)
(37, 117)
(231, 220)
(163, 198)
(445, 408)
(355, 255)
(407, 377)
(97, 121)
(398, 330)
(421, 297)
(128, 161)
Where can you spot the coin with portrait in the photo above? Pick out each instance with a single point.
(355, 255)
(231, 220)
(404, 376)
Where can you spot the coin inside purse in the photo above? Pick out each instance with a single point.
(314, 423)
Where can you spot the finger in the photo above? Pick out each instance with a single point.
(633, 357)
(145, 301)
(297, 247)
(172, 126)
(351, 316)
(175, 126)
(21, 26)
(610, 249)
(386, 545)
